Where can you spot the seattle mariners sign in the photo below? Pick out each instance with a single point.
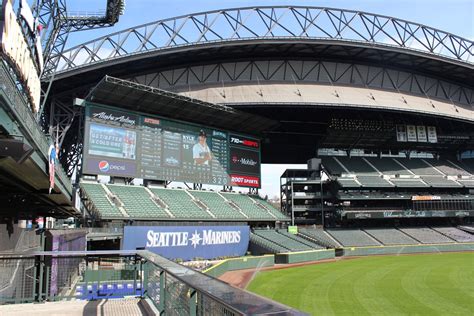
(188, 242)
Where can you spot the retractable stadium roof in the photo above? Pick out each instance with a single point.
(133, 96)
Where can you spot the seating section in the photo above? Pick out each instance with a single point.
(318, 235)
(418, 167)
(300, 239)
(387, 166)
(408, 183)
(159, 203)
(180, 204)
(357, 165)
(391, 236)
(138, 202)
(332, 166)
(268, 246)
(448, 167)
(403, 172)
(270, 208)
(98, 196)
(248, 206)
(373, 181)
(352, 237)
(283, 240)
(348, 183)
(436, 181)
(467, 228)
(455, 233)
(426, 235)
(217, 205)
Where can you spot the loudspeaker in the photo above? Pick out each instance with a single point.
(17, 149)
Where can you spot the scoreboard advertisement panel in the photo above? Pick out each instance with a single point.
(137, 145)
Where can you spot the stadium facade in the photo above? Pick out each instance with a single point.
(380, 109)
(317, 82)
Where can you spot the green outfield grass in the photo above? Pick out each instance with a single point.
(431, 284)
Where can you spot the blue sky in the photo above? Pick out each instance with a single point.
(454, 16)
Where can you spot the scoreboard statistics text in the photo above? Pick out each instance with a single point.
(136, 145)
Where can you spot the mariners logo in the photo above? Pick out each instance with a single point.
(104, 166)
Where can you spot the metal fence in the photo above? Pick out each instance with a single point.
(169, 287)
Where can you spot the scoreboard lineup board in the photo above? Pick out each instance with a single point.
(137, 145)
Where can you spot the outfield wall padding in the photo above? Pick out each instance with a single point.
(406, 249)
(304, 256)
(240, 264)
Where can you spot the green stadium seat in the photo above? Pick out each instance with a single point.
(181, 204)
(96, 193)
(138, 203)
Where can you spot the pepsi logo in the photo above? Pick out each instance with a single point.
(104, 166)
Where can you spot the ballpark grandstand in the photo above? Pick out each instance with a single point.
(131, 163)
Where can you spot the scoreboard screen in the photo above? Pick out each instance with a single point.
(136, 145)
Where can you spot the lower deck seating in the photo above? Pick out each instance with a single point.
(138, 202)
(352, 237)
(266, 245)
(270, 208)
(248, 207)
(180, 204)
(282, 240)
(217, 205)
(455, 233)
(390, 236)
(426, 235)
(300, 239)
(319, 235)
(96, 193)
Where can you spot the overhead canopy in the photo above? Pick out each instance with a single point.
(138, 97)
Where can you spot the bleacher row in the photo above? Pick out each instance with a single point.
(114, 201)
(400, 172)
(280, 241)
(400, 236)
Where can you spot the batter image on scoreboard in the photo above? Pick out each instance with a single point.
(201, 152)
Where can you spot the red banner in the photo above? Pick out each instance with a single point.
(245, 181)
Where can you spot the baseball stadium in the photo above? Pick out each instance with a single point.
(131, 161)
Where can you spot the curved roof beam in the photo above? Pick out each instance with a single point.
(267, 23)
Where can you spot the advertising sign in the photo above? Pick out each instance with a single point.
(293, 230)
(188, 242)
(17, 50)
(130, 144)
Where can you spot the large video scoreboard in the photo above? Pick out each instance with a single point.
(137, 145)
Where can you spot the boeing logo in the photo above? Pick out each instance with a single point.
(182, 239)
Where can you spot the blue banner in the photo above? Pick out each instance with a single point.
(188, 242)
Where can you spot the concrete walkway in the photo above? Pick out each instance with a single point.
(113, 307)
